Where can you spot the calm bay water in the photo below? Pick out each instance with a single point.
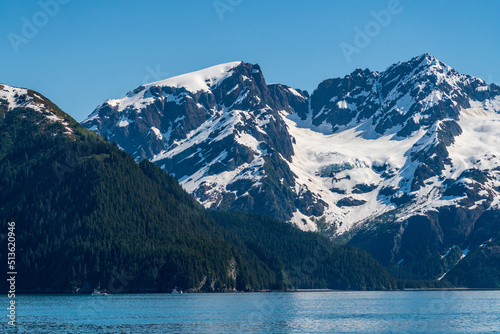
(298, 312)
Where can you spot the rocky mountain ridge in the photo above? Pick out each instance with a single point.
(418, 142)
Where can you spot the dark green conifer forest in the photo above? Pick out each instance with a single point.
(87, 214)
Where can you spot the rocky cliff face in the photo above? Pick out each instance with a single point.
(219, 131)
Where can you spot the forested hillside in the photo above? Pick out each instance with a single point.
(87, 213)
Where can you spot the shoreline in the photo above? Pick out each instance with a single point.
(259, 291)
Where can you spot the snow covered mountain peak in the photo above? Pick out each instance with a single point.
(425, 69)
(195, 82)
(426, 59)
(430, 60)
(199, 80)
(171, 111)
(14, 99)
(398, 101)
(422, 62)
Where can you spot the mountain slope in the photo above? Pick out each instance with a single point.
(404, 163)
(224, 139)
(86, 212)
(323, 265)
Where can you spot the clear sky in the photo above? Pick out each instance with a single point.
(80, 53)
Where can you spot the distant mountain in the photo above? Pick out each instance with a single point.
(404, 163)
(217, 130)
(86, 213)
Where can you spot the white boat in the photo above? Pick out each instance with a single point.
(98, 292)
(176, 291)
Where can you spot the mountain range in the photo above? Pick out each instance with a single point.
(86, 213)
(404, 163)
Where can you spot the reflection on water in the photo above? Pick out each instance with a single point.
(301, 312)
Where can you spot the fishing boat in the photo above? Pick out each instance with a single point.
(98, 292)
(176, 291)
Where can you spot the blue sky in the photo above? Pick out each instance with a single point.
(80, 53)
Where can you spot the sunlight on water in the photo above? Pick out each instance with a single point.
(301, 312)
